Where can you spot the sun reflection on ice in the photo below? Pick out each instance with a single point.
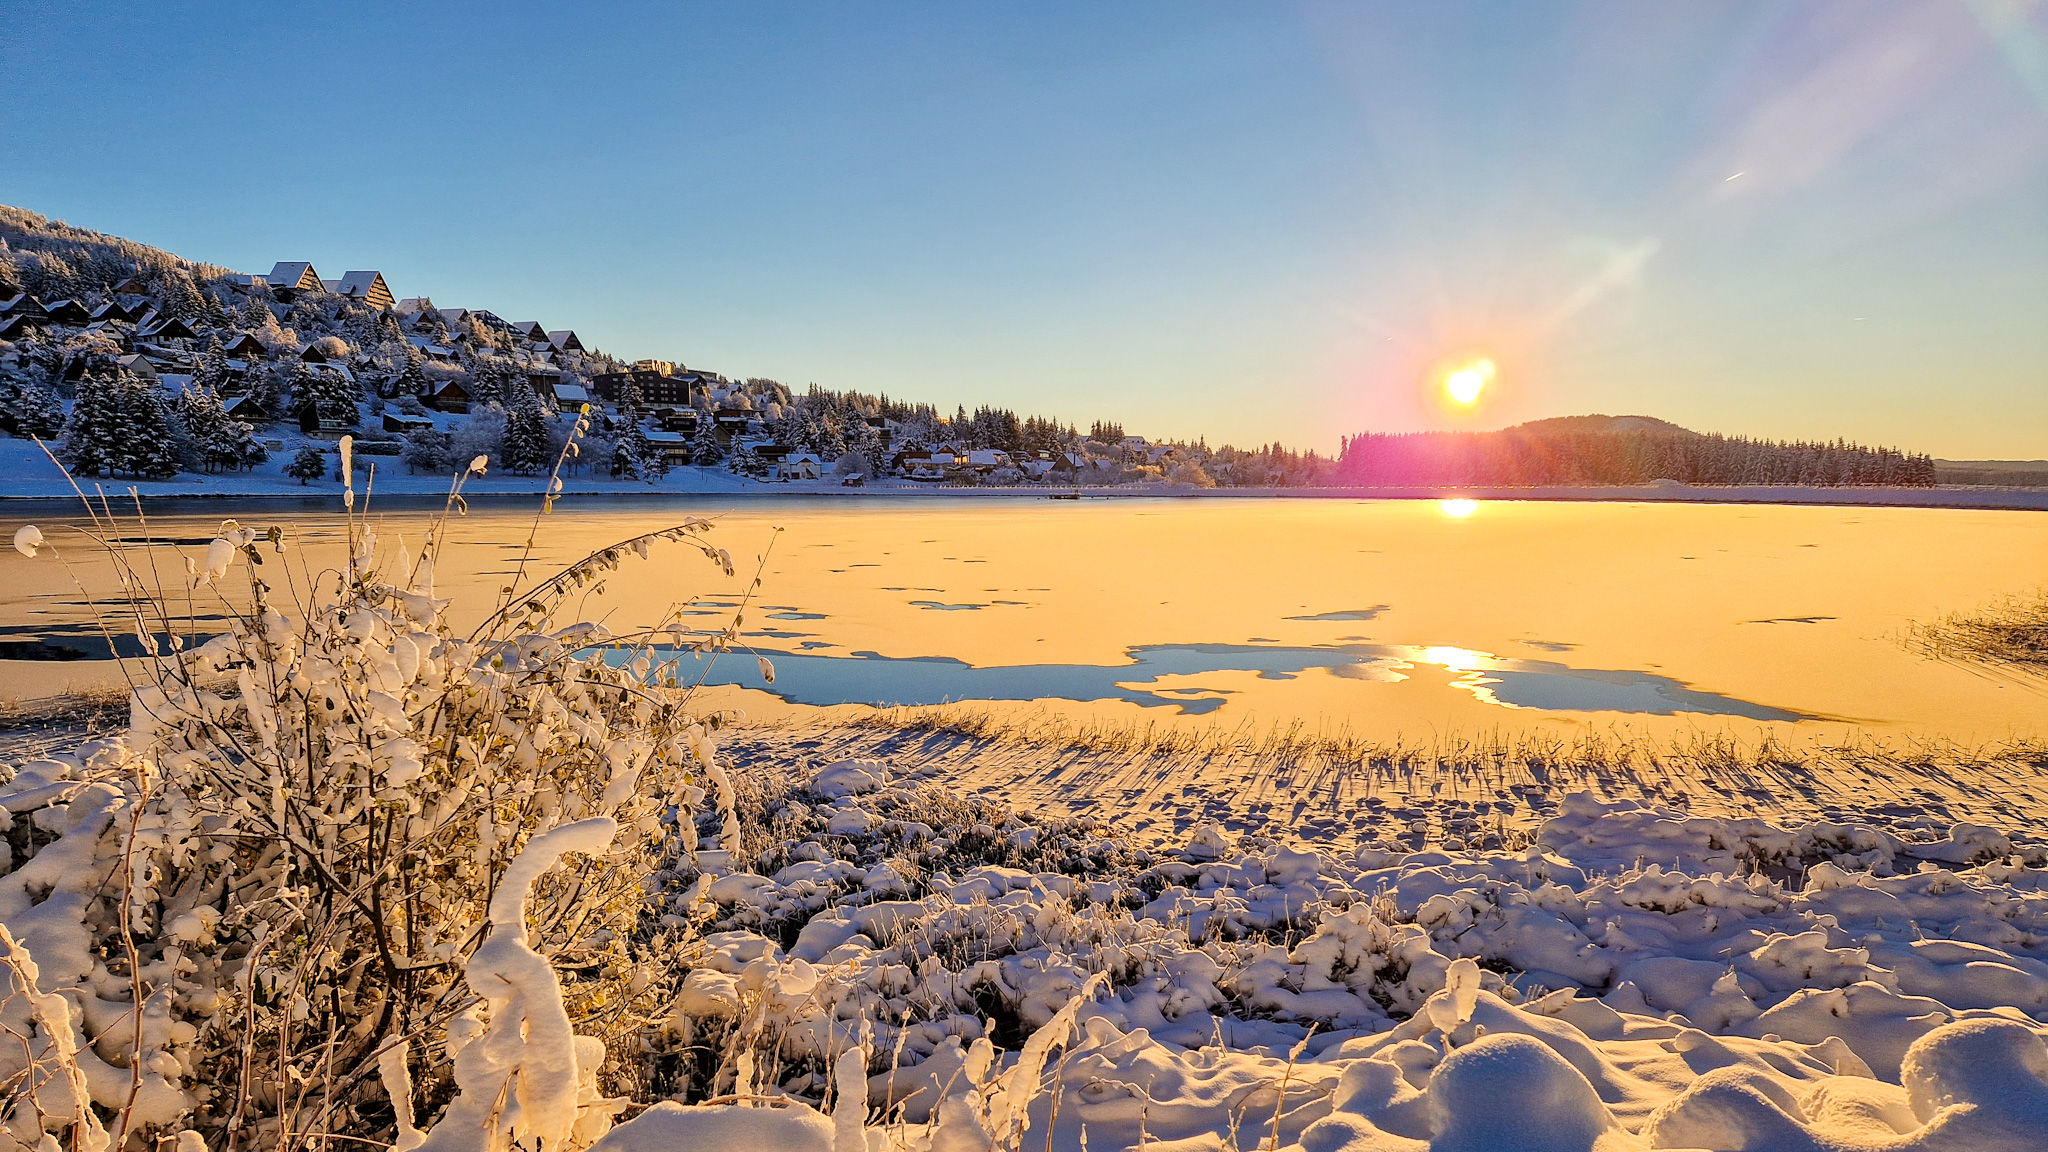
(1469, 669)
(1459, 508)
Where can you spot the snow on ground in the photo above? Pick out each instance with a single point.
(1463, 794)
(1632, 978)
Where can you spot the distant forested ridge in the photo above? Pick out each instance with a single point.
(1619, 450)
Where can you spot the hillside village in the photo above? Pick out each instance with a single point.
(138, 364)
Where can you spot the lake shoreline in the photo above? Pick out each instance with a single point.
(491, 489)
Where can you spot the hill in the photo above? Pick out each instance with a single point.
(1572, 425)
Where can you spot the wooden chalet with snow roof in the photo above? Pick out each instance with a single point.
(565, 340)
(67, 312)
(24, 305)
(157, 327)
(289, 277)
(366, 286)
(246, 345)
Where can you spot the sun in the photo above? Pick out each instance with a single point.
(1465, 384)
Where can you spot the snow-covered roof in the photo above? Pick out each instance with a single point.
(294, 274)
(365, 285)
(564, 338)
(572, 394)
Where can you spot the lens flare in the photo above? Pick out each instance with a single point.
(1465, 384)
(1459, 508)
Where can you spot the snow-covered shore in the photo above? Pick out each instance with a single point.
(1631, 978)
(30, 476)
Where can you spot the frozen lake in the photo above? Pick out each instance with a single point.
(1383, 618)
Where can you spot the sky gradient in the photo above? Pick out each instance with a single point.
(1237, 221)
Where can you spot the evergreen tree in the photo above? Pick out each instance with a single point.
(223, 441)
(704, 449)
(525, 449)
(412, 379)
(27, 406)
(121, 425)
(332, 395)
(90, 432)
(309, 464)
(145, 441)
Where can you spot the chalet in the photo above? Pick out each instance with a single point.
(799, 466)
(16, 327)
(986, 460)
(531, 330)
(673, 446)
(136, 364)
(414, 305)
(732, 421)
(131, 287)
(23, 304)
(68, 312)
(682, 420)
(400, 422)
(116, 310)
(165, 328)
(289, 277)
(926, 463)
(312, 354)
(565, 340)
(176, 383)
(245, 344)
(570, 395)
(451, 318)
(245, 283)
(449, 396)
(246, 407)
(366, 286)
(115, 330)
(431, 350)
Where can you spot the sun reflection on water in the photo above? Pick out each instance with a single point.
(1458, 508)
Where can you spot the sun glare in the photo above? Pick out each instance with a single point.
(1459, 508)
(1465, 384)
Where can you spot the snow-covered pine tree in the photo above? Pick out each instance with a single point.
(412, 379)
(144, 443)
(223, 440)
(526, 437)
(704, 449)
(331, 393)
(89, 433)
(27, 406)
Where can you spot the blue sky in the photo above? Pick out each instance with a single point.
(1237, 221)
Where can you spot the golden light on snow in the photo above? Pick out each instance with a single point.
(1459, 508)
(1455, 659)
(1465, 384)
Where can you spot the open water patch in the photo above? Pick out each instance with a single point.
(804, 677)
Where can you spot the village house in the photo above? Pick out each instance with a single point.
(67, 312)
(799, 466)
(448, 396)
(565, 340)
(289, 277)
(366, 286)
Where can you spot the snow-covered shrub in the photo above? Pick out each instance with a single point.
(295, 885)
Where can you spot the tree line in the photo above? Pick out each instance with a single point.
(1534, 457)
